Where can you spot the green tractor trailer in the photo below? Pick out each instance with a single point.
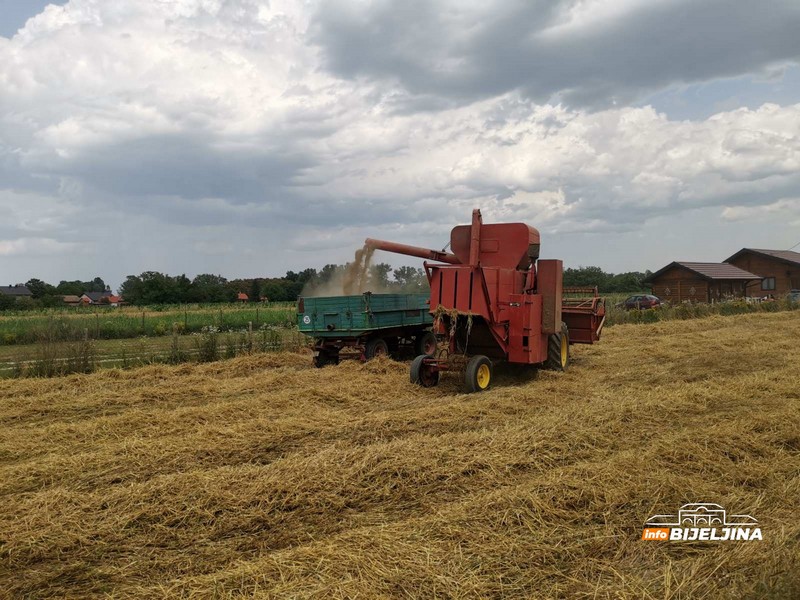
(366, 325)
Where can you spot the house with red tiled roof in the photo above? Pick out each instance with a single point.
(242, 297)
(96, 297)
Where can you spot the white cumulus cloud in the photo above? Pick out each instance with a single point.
(248, 129)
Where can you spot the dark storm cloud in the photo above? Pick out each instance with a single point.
(189, 167)
(532, 47)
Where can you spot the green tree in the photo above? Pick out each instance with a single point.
(255, 290)
(184, 288)
(132, 290)
(328, 273)
(95, 285)
(40, 289)
(605, 282)
(211, 288)
(50, 301)
(151, 287)
(275, 290)
(410, 279)
(586, 277)
(70, 288)
(627, 282)
(379, 276)
(7, 302)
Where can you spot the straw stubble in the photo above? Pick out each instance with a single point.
(265, 477)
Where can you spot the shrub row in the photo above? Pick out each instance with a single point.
(616, 315)
(111, 325)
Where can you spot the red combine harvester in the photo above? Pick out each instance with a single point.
(496, 301)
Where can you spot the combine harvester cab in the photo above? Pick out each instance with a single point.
(366, 325)
(495, 300)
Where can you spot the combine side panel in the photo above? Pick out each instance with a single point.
(550, 273)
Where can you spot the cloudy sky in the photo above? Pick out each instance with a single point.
(248, 137)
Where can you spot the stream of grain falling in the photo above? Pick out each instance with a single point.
(357, 275)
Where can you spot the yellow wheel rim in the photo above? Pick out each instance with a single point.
(564, 350)
(484, 375)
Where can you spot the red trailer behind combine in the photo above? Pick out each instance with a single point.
(495, 300)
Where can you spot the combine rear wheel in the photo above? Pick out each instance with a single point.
(558, 350)
(422, 374)
(478, 375)
(376, 347)
(425, 343)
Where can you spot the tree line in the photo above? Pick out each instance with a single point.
(152, 287)
(607, 283)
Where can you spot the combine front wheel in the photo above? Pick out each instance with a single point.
(478, 376)
(426, 375)
(558, 350)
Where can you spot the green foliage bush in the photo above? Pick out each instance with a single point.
(616, 315)
(208, 344)
(110, 323)
(53, 359)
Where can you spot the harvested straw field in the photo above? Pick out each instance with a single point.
(263, 477)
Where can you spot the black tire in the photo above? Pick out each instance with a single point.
(323, 359)
(423, 374)
(376, 347)
(478, 376)
(425, 343)
(558, 355)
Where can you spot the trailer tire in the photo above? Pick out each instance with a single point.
(558, 355)
(478, 375)
(425, 343)
(323, 359)
(376, 347)
(422, 374)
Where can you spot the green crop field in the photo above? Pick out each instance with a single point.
(107, 323)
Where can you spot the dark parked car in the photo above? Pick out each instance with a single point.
(640, 301)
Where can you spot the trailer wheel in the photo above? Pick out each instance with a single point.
(558, 357)
(425, 343)
(376, 347)
(422, 374)
(323, 359)
(478, 375)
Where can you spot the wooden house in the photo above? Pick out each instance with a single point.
(700, 282)
(779, 270)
